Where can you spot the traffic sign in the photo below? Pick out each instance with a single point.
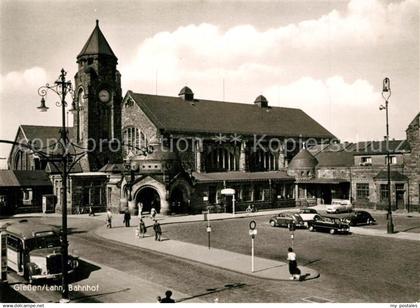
(252, 225)
(208, 229)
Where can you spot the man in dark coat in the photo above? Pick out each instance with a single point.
(168, 298)
(158, 230)
(127, 218)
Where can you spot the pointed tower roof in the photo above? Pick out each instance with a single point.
(302, 160)
(97, 44)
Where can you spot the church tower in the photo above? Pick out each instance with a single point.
(98, 95)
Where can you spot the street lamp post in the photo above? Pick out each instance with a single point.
(386, 94)
(61, 87)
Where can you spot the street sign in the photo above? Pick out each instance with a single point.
(228, 191)
(252, 225)
(208, 229)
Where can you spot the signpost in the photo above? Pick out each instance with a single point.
(252, 233)
(208, 228)
(230, 192)
(292, 229)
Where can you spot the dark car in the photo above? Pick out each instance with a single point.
(286, 219)
(330, 224)
(359, 217)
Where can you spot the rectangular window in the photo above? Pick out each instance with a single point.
(392, 160)
(246, 193)
(27, 195)
(258, 193)
(212, 194)
(362, 191)
(384, 192)
(366, 160)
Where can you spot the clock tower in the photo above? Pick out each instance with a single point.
(98, 95)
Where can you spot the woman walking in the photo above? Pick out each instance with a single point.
(142, 228)
(293, 269)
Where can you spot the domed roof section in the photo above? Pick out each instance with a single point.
(303, 160)
(185, 90)
(261, 101)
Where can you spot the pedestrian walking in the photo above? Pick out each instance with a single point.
(293, 268)
(158, 230)
(142, 228)
(167, 298)
(109, 218)
(127, 218)
(91, 211)
(153, 213)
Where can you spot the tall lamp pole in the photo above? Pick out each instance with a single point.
(61, 87)
(386, 94)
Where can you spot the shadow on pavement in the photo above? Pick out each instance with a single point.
(92, 298)
(10, 295)
(214, 290)
(84, 271)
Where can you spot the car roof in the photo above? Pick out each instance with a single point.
(28, 230)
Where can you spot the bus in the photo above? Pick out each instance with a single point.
(34, 251)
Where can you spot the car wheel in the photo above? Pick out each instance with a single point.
(311, 228)
(332, 231)
(272, 223)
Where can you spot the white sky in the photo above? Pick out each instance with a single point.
(326, 57)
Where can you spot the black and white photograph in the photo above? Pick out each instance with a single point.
(210, 151)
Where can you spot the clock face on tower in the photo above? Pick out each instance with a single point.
(104, 96)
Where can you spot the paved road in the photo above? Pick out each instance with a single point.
(337, 282)
(364, 268)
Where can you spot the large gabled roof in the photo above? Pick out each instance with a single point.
(174, 114)
(96, 44)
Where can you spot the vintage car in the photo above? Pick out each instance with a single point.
(330, 224)
(285, 219)
(307, 214)
(34, 251)
(339, 205)
(359, 217)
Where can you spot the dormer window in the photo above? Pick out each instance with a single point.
(261, 101)
(186, 94)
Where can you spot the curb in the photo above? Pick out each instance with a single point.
(313, 276)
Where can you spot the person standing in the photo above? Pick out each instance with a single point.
(293, 268)
(127, 218)
(91, 211)
(142, 228)
(158, 230)
(140, 206)
(109, 218)
(153, 213)
(167, 298)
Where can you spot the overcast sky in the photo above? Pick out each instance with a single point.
(326, 57)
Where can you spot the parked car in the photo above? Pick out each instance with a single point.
(339, 205)
(330, 224)
(307, 214)
(359, 217)
(285, 219)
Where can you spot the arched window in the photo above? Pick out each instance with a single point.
(80, 113)
(220, 159)
(134, 140)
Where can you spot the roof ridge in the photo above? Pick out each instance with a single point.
(217, 101)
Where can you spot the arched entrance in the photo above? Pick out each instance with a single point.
(149, 197)
(179, 200)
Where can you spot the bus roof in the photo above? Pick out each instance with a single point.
(28, 230)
